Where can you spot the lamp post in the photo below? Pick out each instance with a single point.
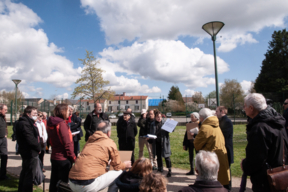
(16, 81)
(213, 28)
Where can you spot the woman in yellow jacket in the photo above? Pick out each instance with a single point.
(210, 138)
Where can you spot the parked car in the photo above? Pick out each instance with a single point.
(112, 116)
(188, 115)
(120, 114)
(163, 116)
(168, 114)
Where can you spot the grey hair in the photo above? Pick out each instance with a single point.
(257, 100)
(205, 112)
(207, 165)
(106, 128)
(71, 107)
(2, 106)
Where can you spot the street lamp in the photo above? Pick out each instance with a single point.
(16, 81)
(213, 28)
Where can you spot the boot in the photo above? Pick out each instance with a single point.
(160, 169)
(191, 172)
(169, 173)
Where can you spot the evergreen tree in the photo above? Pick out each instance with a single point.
(274, 70)
(175, 94)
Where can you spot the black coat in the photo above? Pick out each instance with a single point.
(128, 181)
(88, 123)
(265, 136)
(186, 142)
(75, 125)
(205, 186)
(27, 137)
(141, 124)
(126, 131)
(285, 115)
(226, 127)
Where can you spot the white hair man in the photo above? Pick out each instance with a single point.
(265, 135)
(210, 138)
(89, 171)
(207, 167)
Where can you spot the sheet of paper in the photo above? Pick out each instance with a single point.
(124, 156)
(75, 133)
(190, 126)
(169, 125)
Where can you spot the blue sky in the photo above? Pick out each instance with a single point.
(145, 47)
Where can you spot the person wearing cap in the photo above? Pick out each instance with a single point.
(93, 119)
(126, 132)
(142, 132)
(189, 145)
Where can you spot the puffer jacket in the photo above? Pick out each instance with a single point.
(265, 135)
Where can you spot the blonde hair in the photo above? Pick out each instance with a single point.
(153, 183)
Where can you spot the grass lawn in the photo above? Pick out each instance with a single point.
(180, 158)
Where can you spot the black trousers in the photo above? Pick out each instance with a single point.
(41, 156)
(76, 145)
(159, 157)
(127, 146)
(27, 174)
(3, 171)
(191, 154)
(59, 171)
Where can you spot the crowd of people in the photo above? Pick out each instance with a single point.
(99, 165)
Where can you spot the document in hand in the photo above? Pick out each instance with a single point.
(149, 136)
(75, 133)
(169, 125)
(190, 126)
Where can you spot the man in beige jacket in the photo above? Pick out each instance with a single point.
(89, 171)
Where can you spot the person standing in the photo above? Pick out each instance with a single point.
(61, 141)
(3, 141)
(210, 138)
(226, 127)
(43, 137)
(285, 114)
(93, 119)
(126, 132)
(188, 144)
(161, 145)
(266, 137)
(75, 126)
(29, 148)
(149, 120)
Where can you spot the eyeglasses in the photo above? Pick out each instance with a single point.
(40, 116)
(285, 103)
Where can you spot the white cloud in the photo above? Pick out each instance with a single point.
(169, 19)
(169, 61)
(63, 96)
(188, 92)
(26, 53)
(246, 85)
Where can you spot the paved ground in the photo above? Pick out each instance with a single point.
(176, 182)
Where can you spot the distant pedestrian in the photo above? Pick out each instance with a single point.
(126, 133)
(29, 148)
(14, 138)
(93, 119)
(226, 127)
(61, 141)
(3, 141)
(149, 120)
(266, 138)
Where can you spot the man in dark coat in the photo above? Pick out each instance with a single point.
(75, 126)
(207, 167)
(266, 138)
(3, 141)
(29, 147)
(126, 132)
(93, 119)
(285, 114)
(226, 127)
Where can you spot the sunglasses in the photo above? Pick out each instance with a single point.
(285, 103)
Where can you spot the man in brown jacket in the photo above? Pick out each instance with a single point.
(89, 171)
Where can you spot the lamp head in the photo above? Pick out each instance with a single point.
(16, 81)
(213, 28)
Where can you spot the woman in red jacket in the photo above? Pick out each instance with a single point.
(61, 141)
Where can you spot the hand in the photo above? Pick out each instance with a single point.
(39, 152)
(241, 164)
(127, 164)
(184, 148)
(191, 134)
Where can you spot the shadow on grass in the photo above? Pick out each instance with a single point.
(10, 184)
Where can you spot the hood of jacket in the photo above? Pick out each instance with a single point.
(270, 117)
(97, 136)
(27, 119)
(212, 121)
(52, 121)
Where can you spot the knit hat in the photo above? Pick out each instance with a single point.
(196, 115)
(143, 111)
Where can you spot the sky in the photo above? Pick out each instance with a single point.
(144, 46)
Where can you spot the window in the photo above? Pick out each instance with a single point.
(118, 102)
(136, 101)
(109, 102)
(136, 108)
(88, 108)
(126, 102)
(118, 108)
(110, 108)
(87, 103)
(126, 107)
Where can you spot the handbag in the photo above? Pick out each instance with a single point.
(277, 176)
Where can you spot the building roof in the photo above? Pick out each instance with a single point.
(154, 102)
(187, 99)
(90, 101)
(125, 98)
